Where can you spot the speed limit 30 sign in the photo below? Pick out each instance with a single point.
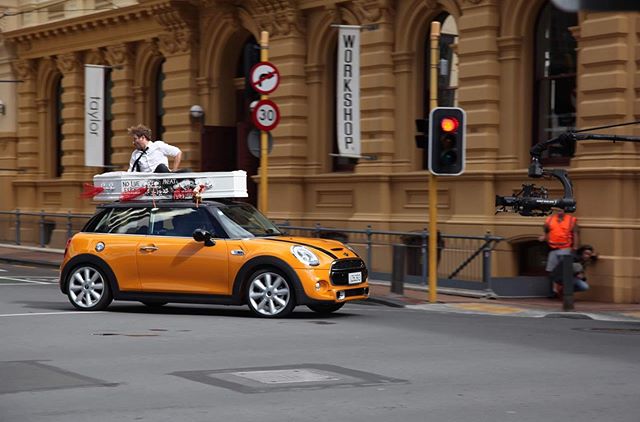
(266, 115)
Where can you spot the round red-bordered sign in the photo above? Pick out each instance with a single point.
(265, 115)
(264, 78)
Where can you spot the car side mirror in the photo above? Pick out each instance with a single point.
(200, 235)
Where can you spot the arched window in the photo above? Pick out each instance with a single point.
(447, 67)
(57, 116)
(156, 102)
(555, 78)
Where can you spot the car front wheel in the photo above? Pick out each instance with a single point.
(270, 294)
(88, 288)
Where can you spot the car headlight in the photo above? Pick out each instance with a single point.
(305, 255)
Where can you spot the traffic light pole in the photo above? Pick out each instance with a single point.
(264, 136)
(433, 182)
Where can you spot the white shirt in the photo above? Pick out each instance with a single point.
(156, 153)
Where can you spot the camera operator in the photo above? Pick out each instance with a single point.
(561, 235)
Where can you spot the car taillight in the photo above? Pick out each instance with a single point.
(66, 247)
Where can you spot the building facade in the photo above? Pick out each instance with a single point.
(523, 70)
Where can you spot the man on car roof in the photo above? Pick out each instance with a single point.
(150, 156)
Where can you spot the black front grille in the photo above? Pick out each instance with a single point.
(341, 269)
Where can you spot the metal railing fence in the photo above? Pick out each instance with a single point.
(463, 261)
(38, 228)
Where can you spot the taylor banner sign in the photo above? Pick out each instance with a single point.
(348, 91)
(94, 114)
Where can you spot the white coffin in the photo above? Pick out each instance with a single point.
(231, 184)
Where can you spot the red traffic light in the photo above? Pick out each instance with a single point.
(449, 124)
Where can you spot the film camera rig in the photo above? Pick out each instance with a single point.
(534, 201)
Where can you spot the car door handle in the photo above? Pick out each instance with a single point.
(149, 248)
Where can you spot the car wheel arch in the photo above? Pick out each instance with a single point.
(241, 280)
(79, 260)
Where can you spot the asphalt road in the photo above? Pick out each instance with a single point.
(368, 362)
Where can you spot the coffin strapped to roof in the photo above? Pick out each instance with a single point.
(120, 185)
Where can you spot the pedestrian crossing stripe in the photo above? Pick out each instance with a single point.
(482, 307)
(28, 280)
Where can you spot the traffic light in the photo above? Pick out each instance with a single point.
(447, 126)
(422, 135)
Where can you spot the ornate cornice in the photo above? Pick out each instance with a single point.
(282, 18)
(24, 69)
(374, 11)
(176, 42)
(69, 62)
(94, 56)
(103, 21)
(180, 19)
(120, 54)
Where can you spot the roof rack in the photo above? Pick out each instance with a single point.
(128, 186)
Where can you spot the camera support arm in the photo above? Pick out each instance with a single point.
(533, 200)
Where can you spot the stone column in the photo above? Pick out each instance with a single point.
(122, 58)
(479, 92)
(181, 92)
(27, 131)
(287, 48)
(377, 85)
(317, 133)
(289, 159)
(607, 88)
(604, 173)
(71, 66)
(511, 135)
(404, 151)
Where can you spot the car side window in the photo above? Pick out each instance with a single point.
(180, 222)
(122, 221)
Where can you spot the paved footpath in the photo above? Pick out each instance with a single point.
(414, 297)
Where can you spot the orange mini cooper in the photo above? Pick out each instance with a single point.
(219, 252)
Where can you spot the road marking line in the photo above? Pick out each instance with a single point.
(25, 284)
(53, 313)
(23, 280)
(496, 309)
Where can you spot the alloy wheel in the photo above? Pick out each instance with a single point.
(270, 294)
(87, 287)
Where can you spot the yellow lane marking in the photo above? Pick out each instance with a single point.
(481, 307)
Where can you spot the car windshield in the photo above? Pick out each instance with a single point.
(243, 220)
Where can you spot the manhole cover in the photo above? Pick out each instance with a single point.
(285, 376)
(632, 331)
(289, 377)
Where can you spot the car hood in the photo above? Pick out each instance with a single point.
(329, 248)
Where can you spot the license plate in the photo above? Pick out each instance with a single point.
(355, 278)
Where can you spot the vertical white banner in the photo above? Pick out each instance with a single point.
(94, 114)
(348, 91)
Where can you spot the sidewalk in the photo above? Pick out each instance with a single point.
(414, 297)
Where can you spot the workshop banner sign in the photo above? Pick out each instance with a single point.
(348, 91)
(94, 115)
